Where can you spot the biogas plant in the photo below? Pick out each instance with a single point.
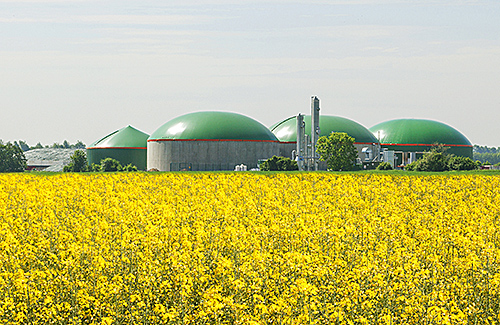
(211, 141)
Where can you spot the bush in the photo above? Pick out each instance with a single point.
(279, 164)
(113, 165)
(110, 165)
(411, 167)
(437, 160)
(432, 161)
(461, 163)
(129, 168)
(384, 166)
(95, 167)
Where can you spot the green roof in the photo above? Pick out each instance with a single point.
(286, 130)
(418, 131)
(213, 126)
(127, 137)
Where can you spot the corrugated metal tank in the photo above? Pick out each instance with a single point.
(286, 132)
(210, 141)
(127, 145)
(418, 135)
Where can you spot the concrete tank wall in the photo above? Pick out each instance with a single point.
(175, 155)
(286, 149)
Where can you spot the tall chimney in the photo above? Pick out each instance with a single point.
(314, 130)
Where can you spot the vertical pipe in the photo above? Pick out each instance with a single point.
(308, 160)
(301, 132)
(314, 130)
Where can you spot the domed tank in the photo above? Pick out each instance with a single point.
(127, 145)
(286, 132)
(212, 126)
(210, 141)
(419, 135)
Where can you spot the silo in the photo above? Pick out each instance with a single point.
(127, 145)
(286, 132)
(405, 136)
(210, 141)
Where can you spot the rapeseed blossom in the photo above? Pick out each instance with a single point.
(227, 248)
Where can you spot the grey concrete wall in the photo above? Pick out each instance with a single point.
(286, 149)
(208, 155)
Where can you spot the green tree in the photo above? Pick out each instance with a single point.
(38, 146)
(23, 145)
(12, 158)
(279, 164)
(78, 145)
(78, 162)
(337, 150)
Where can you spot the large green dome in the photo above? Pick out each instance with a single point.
(420, 135)
(286, 130)
(213, 126)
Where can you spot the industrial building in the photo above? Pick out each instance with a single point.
(409, 138)
(127, 145)
(210, 141)
(365, 142)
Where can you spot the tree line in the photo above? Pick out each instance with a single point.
(487, 155)
(64, 145)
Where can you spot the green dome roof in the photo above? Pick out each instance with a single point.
(212, 126)
(286, 130)
(127, 137)
(417, 131)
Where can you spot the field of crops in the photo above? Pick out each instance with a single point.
(243, 248)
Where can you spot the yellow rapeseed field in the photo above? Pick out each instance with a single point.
(229, 248)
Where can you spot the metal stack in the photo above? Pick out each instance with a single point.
(301, 141)
(314, 131)
(307, 158)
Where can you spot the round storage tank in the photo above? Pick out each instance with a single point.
(419, 135)
(286, 132)
(210, 141)
(127, 145)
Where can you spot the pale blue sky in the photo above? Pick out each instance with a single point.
(78, 70)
